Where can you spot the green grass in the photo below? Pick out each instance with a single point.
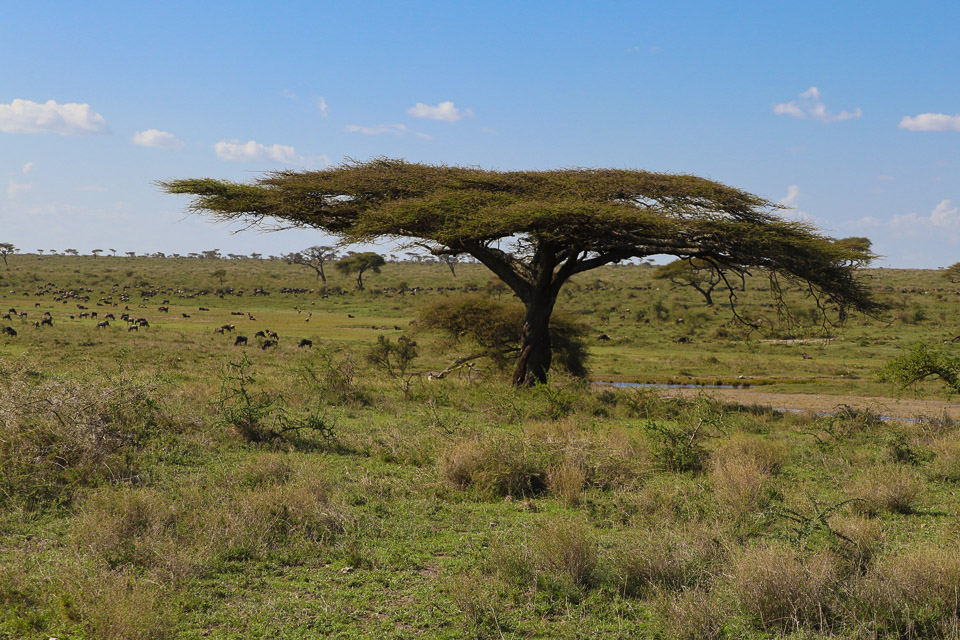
(134, 503)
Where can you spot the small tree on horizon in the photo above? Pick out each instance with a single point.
(314, 258)
(96, 252)
(697, 274)
(360, 262)
(220, 273)
(6, 248)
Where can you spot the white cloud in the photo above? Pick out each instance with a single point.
(157, 139)
(322, 106)
(380, 129)
(810, 106)
(444, 111)
(15, 188)
(71, 119)
(27, 168)
(943, 216)
(235, 150)
(793, 195)
(931, 122)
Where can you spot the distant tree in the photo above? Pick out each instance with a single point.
(194, 255)
(113, 252)
(360, 262)
(211, 254)
(71, 252)
(537, 229)
(701, 275)
(451, 261)
(131, 254)
(40, 251)
(314, 258)
(159, 254)
(952, 273)
(256, 256)
(6, 248)
(96, 252)
(53, 252)
(220, 273)
(859, 250)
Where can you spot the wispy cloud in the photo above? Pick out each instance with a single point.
(71, 119)
(444, 111)
(27, 168)
(809, 106)
(322, 106)
(931, 122)
(234, 150)
(15, 188)
(157, 139)
(792, 202)
(393, 129)
(943, 217)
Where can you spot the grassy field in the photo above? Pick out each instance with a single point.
(165, 483)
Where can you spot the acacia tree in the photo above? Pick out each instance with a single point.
(360, 262)
(6, 248)
(536, 229)
(692, 272)
(314, 257)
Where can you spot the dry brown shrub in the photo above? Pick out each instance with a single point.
(946, 462)
(669, 556)
(781, 592)
(264, 470)
(914, 594)
(766, 455)
(565, 547)
(501, 466)
(566, 480)
(738, 483)
(692, 614)
(115, 605)
(889, 487)
(862, 538)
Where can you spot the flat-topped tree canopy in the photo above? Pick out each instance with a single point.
(535, 229)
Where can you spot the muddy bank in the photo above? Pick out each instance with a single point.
(905, 407)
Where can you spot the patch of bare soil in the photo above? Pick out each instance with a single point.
(905, 407)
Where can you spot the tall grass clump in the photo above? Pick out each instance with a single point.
(499, 465)
(59, 434)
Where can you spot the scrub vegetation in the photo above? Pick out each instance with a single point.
(170, 482)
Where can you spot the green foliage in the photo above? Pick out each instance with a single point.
(921, 362)
(494, 328)
(394, 358)
(359, 263)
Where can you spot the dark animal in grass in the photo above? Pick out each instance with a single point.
(47, 321)
(165, 309)
(305, 343)
(268, 343)
(228, 327)
(185, 315)
(603, 336)
(10, 331)
(134, 327)
(273, 334)
(6, 316)
(103, 325)
(203, 309)
(240, 340)
(218, 330)
(260, 334)
(142, 322)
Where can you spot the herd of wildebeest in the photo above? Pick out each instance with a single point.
(133, 320)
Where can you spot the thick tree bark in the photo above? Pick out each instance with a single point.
(535, 348)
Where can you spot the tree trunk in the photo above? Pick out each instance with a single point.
(360, 280)
(535, 348)
(323, 276)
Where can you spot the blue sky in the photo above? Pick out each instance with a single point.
(845, 111)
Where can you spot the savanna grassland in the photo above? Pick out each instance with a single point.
(167, 483)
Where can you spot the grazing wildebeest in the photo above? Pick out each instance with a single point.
(203, 309)
(228, 327)
(273, 334)
(134, 327)
(164, 309)
(185, 315)
(10, 331)
(6, 316)
(47, 321)
(142, 322)
(305, 343)
(103, 325)
(268, 343)
(260, 334)
(240, 340)
(218, 330)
